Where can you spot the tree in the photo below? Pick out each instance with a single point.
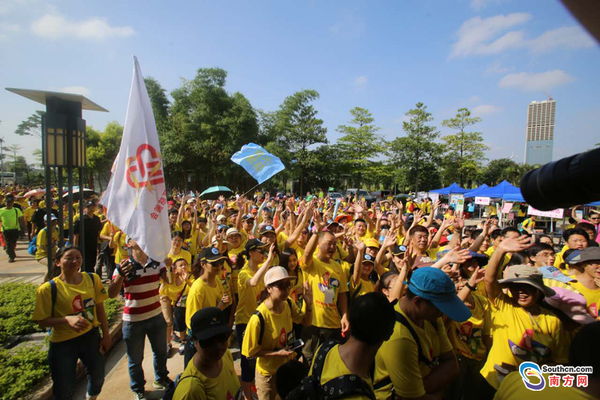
(32, 126)
(102, 149)
(417, 152)
(297, 128)
(359, 144)
(464, 150)
(496, 171)
(160, 104)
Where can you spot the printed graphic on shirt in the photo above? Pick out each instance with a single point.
(328, 286)
(593, 310)
(529, 349)
(472, 337)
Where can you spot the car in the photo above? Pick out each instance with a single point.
(335, 195)
(361, 193)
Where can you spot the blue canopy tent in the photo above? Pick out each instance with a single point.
(452, 189)
(514, 197)
(500, 191)
(475, 192)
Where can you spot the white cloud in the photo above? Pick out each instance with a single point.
(532, 81)
(572, 37)
(480, 35)
(82, 90)
(485, 109)
(496, 68)
(361, 81)
(55, 26)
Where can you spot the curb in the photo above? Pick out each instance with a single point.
(44, 389)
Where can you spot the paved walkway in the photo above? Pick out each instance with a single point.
(24, 270)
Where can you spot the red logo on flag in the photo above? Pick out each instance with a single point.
(142, 174)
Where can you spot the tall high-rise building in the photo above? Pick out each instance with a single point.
(540, 132)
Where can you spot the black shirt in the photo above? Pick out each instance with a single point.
(92, 227)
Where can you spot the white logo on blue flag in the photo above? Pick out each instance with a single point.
(258, 162)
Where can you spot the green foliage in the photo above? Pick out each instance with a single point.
(464, 150)
(102, 149)
(21, 369)
(112, 308)
(359, 144)
(17, 301)
(32, 126)
(417, 153)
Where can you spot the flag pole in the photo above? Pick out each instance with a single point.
(254, 187)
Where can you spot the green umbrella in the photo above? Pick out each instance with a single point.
(213, 193)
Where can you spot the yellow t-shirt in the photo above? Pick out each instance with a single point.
(78, 299)
(520, 336)
(467, 337)
(190, 244)
(172, 290)
(334, 367)
(327, 281)
(363, 287)
(28, 213)
(182, 254)
(42, 241)
(513, 388)
(299, 250)
(592, 297)
(202, 295)
(120, 247)
(340, 253)
(278, 333)
(560, 259)
(248, 296)
(297, 290)
(398, 358)
(198, 387)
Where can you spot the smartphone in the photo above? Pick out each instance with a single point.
(297, 344)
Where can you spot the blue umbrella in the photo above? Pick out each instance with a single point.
(213, 193)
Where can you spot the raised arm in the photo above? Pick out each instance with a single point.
(388, 242)
(307, 258)
(474, 280)
(306, 215)
(258, 276)
(438, 235)
(456, 256)
(574, 215)
(458, 224)
(360, 246)
(479, 240)
(492, 287)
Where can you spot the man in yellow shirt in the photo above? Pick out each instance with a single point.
(585, 265)
(418, 359)
(28, 213)
(329, 286)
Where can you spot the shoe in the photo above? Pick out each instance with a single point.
(139, 396)
(181, 350)
(162, 384)
(176, 339)
(11, 260)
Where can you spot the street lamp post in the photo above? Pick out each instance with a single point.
(63, 148)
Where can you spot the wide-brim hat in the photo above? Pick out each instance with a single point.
(527, 275)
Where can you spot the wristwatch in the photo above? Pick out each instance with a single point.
(470, 287)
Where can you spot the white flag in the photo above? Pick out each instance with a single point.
(135, 198)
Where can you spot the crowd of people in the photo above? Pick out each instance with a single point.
(367, 301)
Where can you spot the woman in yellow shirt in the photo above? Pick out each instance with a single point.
(585, 266)
(270, 340)
(171, 293)
(211, 374)
(72, 305)
(364, 264)
(176, 250)
(190, 237)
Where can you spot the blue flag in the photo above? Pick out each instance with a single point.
(259, 163)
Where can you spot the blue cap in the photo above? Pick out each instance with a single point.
(434, 285)
(551, 272)
(481, 259)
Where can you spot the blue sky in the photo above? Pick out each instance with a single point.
(492, 56)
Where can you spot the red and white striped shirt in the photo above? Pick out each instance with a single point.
(141, 294)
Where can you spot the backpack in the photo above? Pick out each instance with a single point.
(431, 364)
(32, 248)
(338, 388)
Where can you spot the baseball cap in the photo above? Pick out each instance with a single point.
(587, 254)
(481, 259)
(368, 258)
(254, 244)
(89, 204)
(551, 272)
(207, 323)
(232, 231)
(52, 217)
(528, 275)
(9, 197)
(192, 200)
(434, 285)
(211, 254)
(276, 274)
(331, 222)
(371, 243)
(401, 249)
(246, 217)
(267, 229)
(221, 217)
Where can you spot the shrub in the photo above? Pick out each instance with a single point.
(17, 301)
(21, 369)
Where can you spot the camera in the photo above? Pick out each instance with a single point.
(133, 273)
(564, 183)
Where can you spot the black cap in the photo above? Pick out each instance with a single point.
(207, 323)
(9, 197)
(211, 254)
(89, 204)
(369, 259)
(267, 229)
(401, 249)
(254, 244)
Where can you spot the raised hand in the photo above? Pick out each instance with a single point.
(308, 294)
(457, 255)
(390, 239)
(359, 245)
(478, 276)
(515, 245)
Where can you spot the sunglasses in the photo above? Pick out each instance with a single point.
(283, 285)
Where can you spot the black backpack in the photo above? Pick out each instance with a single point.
(338, 388)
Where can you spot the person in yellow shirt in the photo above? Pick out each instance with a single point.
(172, 293)
(528, 224)
(119, 244)
(523, 330)
(329, 286)
(177, 250)
(190, 238)
(270, 334)
(253, 264)
(206, 291)
(582, 352)
(418, 359)
(361, 282)
(41, 255)
(345, 369)
(585, 266)
(575, 238)
(28, 213)
(211, 374)
(72, 305)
